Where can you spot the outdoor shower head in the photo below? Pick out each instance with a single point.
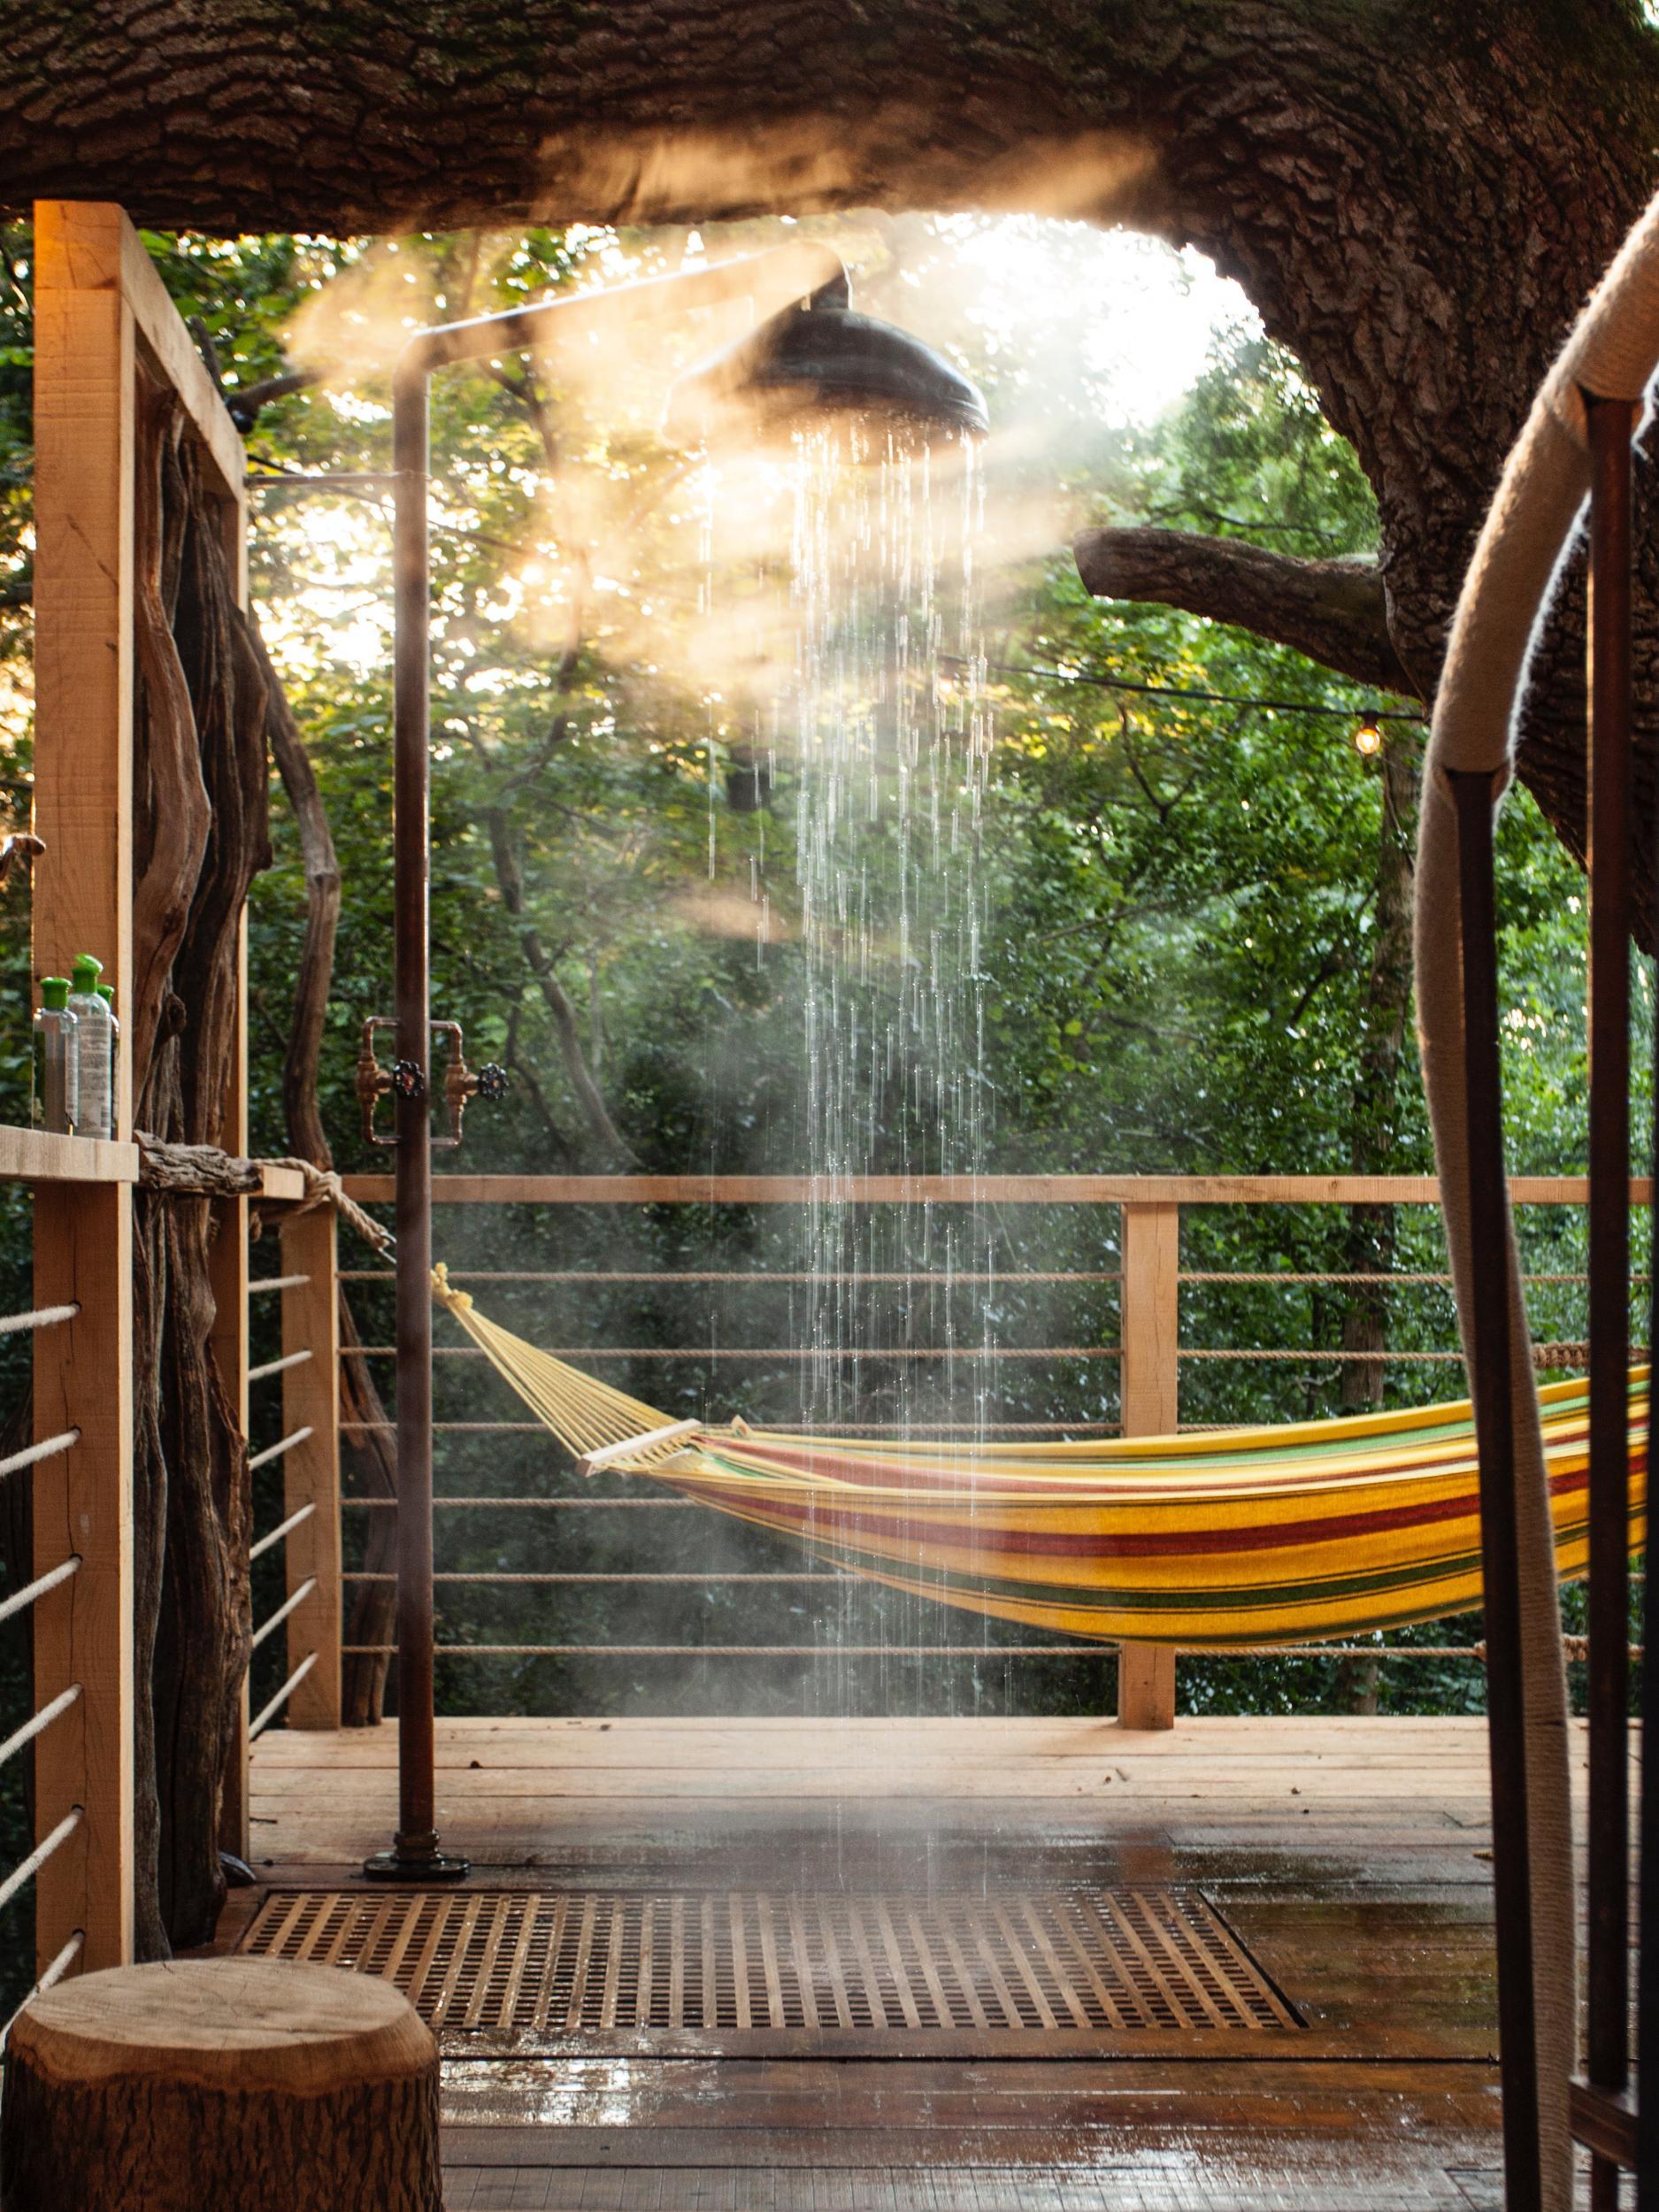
(817, 359)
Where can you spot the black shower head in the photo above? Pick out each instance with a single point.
(817, 359)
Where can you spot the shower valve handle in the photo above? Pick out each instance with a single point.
(407, 1079)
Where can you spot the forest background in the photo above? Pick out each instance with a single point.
(1196, 958)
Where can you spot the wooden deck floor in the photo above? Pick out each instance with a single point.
(1350, 1857)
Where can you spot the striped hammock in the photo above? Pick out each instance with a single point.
(1284, 1534)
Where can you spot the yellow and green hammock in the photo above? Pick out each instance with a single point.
(1293, 1534)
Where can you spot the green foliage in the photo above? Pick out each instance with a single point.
(1182, 916)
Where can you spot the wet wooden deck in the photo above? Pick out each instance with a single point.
(1350, 1857)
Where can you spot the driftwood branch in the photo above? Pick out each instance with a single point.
(199, 784)
(1334, 611)
(197, 1170)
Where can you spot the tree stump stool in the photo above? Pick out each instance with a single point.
(237, 2082)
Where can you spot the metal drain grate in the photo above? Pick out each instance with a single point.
(529, 1970)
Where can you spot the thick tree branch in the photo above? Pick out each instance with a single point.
(245, 401)
(300, 1105)
(1417, 194)
(1334, 611)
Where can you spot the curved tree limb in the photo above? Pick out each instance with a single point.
(1334, 611)
(566, 1026)
(367, 1433)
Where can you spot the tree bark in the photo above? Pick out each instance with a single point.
(1334, 611)
(199, 809)
(244, 2082)
(1416, 194)
(201, 1171)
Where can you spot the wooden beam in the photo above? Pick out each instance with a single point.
(1151, 1336)
(84, 340)
(173, 356)
(310, 1399)
(84, 394)
(962, 1190)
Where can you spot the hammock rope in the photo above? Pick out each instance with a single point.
(1218, 1540)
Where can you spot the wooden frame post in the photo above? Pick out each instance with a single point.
(85, 351)
(310, 1399)
(1151, 1370)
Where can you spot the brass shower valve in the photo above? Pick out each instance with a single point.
(407, 1079)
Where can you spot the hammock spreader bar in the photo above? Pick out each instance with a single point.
(1293, 1534)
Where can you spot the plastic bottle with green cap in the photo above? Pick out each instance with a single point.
(94, 1047)
(56, 1060)
(107, 994)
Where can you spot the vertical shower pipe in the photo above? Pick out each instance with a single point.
(1491, 1330)
(771, 278)
(414, 1855)
(1611, 426)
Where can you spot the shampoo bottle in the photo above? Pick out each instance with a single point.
(56, 1060)
(94, 1047)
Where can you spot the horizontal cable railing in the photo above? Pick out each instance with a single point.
(278, 1450)
(54, 1709)
(283, 1528)
(289, 1605)
(278, 1366)
(267, 1713)
(41, 1317)
(51, 1976)
(287, 1364)
(43, 1851)
(1199, 1349)
(52, 1448)
(41, 1585)
(45, 1715)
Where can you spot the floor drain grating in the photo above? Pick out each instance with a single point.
(531, 1969)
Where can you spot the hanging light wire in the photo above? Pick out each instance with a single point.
(1178, 691)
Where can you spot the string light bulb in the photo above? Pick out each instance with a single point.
(1368, 738)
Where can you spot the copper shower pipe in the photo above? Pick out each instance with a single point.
(768, 281)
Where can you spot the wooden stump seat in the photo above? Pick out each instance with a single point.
(234, 2082)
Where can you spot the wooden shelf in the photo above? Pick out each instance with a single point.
(38, 1156)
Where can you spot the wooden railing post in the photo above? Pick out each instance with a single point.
(310, 1399)
(1151, 1324)
(84, 391)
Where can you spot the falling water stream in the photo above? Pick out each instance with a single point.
(879, 742)
(890, 746)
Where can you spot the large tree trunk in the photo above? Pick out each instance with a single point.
(199, 809)
(1417, 194)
